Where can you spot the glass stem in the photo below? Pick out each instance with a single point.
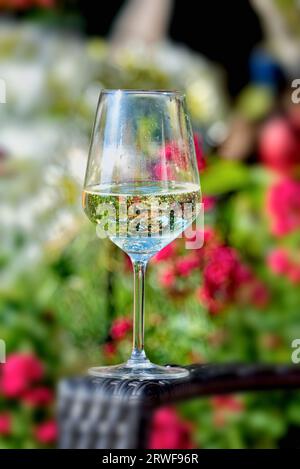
(138, 354)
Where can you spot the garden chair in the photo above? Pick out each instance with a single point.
(104, 413)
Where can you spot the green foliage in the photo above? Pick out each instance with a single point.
(224, 176)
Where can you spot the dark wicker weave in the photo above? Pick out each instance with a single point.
(111, 414)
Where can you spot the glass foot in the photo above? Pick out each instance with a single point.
(140, 371)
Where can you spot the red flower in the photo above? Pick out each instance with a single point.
(222, 264)
(19, 372)
(260, 294)
(5, 424)
(171, 152)
(185, 265)
(166, 253)
(279, 146)
(199, 152)
(209, 203)
(109, 349)
(119, 328)
(210, 236)
(294, 117)
(243, 274)
(224, 406)
(167, 277)
(230, 403)
(294, 273)
(40, 396)
(283, 205)
(207, 298)
(170, 431)
(175, 155)
(227, 280)
(46, 432)
(164, 172)
(280, 263)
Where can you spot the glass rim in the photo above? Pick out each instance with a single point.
(141, 91)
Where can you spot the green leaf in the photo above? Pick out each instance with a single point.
(224, 176)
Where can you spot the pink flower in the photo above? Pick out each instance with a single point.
(199, 152)
(40, 396)
(278, 261)
(178, 155)
(206, 296)
(175, 154)
(185, 265)
(283, 206)
(170, 431)
(5, 424)
(260, 294)
(209, 203)
(120, 327)
(224, 407)
(279, 146)
(109, 349)
(281, 263)
(294, 117)
(221, 266)
(294, 273)
(209, 235)
(166, 253)
(171, 151)
(226, 280)
(243, 274)
(167, 278)
(19, 373)
(163, 172)
(46, 432)
(230, 403)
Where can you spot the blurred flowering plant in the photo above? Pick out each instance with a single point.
(21, 387)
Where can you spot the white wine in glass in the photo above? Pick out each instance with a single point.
(142, 190)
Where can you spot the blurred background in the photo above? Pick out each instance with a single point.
(66, 296)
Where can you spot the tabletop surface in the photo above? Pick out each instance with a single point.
(203, 380)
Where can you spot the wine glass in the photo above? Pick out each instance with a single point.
(142, 190)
